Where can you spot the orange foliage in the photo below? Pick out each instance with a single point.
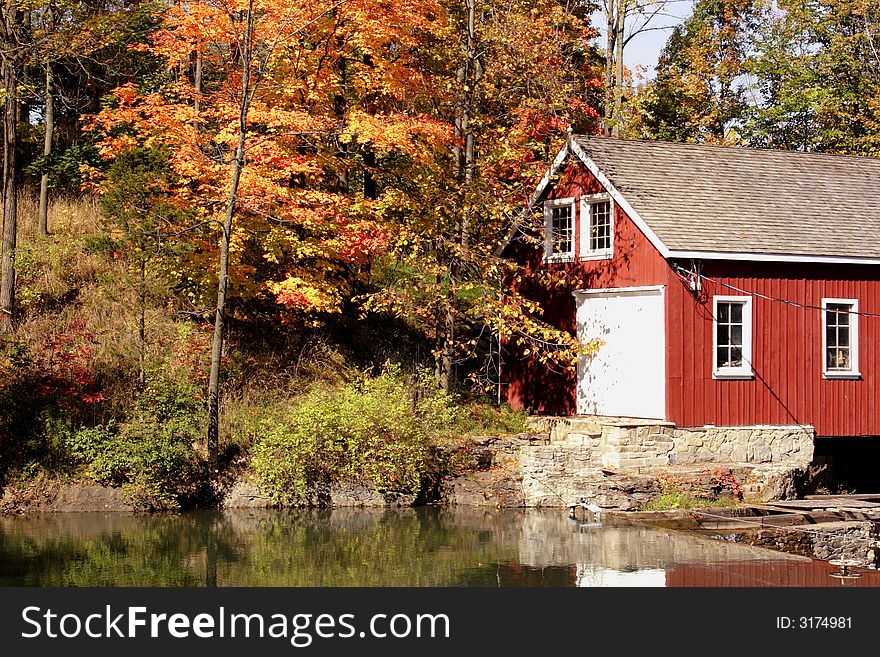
(330, 79)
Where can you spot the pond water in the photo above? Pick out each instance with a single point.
(401, 547)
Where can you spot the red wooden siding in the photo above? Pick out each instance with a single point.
(788, 387)
(635, 262)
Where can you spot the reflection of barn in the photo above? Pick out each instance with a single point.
(730, 286)
(767, 573)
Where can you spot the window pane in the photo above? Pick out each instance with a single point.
(736, 332)
(831, 336)
(723, 357)
(736, 358)
(600, 226)
(839, 327)
(838, 313)
(561, 229)
(838, 359)
(736, 313)
(723, 312)
(723, 334)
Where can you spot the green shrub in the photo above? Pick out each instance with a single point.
(376, 430)
(483, 417)
(150, 455)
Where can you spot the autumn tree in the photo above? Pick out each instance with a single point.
(699, 90)
(817, 77)
(262, 143)
(14, 50)
(624, 21)
(522, 74)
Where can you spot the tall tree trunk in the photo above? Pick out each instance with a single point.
(197, 83)
(468, 79)
(236, 166)
(43, 219)
(10, 197)
(142, 324)
(610, 49)
(618, 67)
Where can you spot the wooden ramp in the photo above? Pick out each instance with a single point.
(813, 510)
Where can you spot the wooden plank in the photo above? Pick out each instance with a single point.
(824, 504)
(773, 509)
(853, 496)
(782, 520)
(818, 517)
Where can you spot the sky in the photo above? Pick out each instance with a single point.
(644, 49)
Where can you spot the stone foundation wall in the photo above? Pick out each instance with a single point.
(615, 462)
(852, 541)
(558, 475)
(856, 541)
(635, 443)
(759, 444)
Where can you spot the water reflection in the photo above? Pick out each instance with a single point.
(406, 547)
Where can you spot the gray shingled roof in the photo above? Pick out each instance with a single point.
(740, 200)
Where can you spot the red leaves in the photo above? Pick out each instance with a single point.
(65, 367)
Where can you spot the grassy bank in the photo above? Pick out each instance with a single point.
(84, 394)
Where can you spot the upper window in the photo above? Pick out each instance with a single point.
(732, 353)
(840, 338)
(597, 226)
(559, 229)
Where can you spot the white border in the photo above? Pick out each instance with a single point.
(745, 371)
(853, 372)
(618, 198)
(637, 289)
(772, 257)
(587, 200)
(549, 204)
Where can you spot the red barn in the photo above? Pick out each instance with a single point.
(730, 286)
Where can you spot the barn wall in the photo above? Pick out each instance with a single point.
(788, 387)
(532, 385)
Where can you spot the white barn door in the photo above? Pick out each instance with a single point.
(627, 376)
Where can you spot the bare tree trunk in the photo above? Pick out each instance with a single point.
(610, 49)
(618, 66)
(47, 151)
(10, 200)
(236, 166)
(142, 325)
(468, 78)
(197, 83)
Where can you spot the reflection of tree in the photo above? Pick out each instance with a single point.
(406, 547)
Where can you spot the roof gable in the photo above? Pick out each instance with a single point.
(724, 202)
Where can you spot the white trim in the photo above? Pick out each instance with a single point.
(853, 372)
(745, 371)
(587, 201)
(548, 175)
(772, 257)
(549, 204)
(618, 198)
(638, 289)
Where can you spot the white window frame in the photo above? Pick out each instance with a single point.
(585, 252)
(549, 204)
(853, 372)
(745, 370)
